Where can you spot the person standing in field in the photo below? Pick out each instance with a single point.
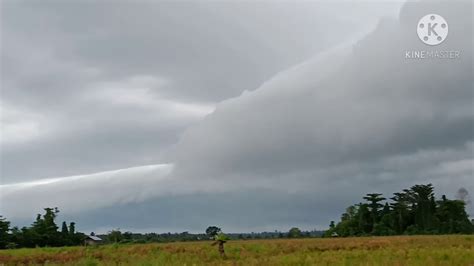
(220, 240)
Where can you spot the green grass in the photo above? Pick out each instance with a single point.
(400, 250)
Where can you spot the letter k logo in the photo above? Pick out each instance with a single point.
(432, 29)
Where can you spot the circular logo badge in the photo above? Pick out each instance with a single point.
(432, 29)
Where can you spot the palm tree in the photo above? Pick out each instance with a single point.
(423, 196)
(374, 205)
(400, 210)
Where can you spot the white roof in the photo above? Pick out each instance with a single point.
(95, 238)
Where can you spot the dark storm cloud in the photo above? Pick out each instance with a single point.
(57, 56)
(343, 116)
(300, 148)
(212, 50)
(236, 211)
(357, 102)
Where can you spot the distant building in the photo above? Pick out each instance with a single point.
(92, 240)
(334, 234)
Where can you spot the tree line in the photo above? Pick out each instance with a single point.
(412, 211)
(117, 236)
(43, 232)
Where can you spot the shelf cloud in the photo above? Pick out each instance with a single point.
(75, 194)
(344, 118)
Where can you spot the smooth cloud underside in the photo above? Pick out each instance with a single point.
(354, 119)
(358, 108)
(76, 194)
(339, 109)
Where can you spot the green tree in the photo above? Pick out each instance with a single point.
(115, 236)
(66, 238)
(4, 232)
(332, 229)
(75, 238)
(294, 232)
(453, 217)
(16, 238)
(423, 209)
(374, 206)
(349, 225)
(49, 217)
(412, 211)
(332, 225)
(64, 229)
(44, 231)
(400, 212)
(384, 225)
(72, 228)
(364, 218)
(127, 235)
(212, 231)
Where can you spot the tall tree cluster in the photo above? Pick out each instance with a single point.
(412, 211)
(43, 232)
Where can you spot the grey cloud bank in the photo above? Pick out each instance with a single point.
(57, 56)
(336, 124)
(76, 194)
(369, 104)
(356, 118)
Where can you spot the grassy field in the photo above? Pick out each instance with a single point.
(402, 250)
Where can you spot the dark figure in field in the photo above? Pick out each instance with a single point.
(221, 238)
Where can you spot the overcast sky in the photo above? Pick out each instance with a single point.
(171, 116)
